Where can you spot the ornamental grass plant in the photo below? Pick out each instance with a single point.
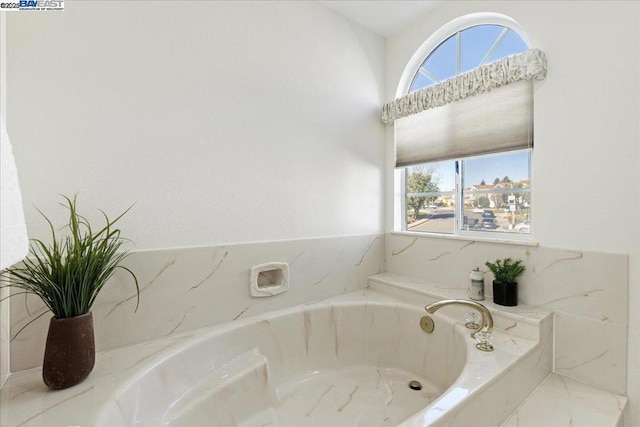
(69, 273)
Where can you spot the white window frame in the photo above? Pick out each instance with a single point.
(447, 31)
(399, 199)
(460, 231)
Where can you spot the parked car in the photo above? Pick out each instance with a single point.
(478, 210)
(488, 214)
(523, 227)
(489, 223)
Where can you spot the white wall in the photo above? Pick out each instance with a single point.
(223, 121)
(586, 179)
(4, 305)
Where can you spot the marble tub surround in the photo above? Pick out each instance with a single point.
(559, 400)
(591, 351)
(187, 288)
(340, 362)
(498, 399)
(26, 401)
(587, 291)
(325, 368)
(562, 401)
(522, 320)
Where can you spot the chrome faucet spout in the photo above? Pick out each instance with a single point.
(487, 320)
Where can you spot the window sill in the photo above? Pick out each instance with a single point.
(467, 238)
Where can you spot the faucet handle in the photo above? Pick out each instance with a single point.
(472, 320)
(484, 341)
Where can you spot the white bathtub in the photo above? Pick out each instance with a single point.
(346, 361)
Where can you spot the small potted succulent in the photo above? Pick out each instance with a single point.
(505, 284)
(67, 275)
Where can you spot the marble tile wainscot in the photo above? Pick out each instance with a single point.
(587, 291)
(187, 288)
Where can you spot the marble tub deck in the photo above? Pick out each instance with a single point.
(562, 401)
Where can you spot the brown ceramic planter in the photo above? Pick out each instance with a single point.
(70, 352)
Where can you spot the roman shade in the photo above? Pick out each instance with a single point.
(487, 110)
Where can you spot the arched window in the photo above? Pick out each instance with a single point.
(465, 50)
(485, 194)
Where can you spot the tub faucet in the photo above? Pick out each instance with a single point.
(486, 325)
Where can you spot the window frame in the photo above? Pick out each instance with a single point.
(457, 37)
(460, 231)
(459, 193)
(399, 177)
(448, 30)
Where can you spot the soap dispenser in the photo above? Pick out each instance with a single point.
(476, 285)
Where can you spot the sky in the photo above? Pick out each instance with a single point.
(475, 42)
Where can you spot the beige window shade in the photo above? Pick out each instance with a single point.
(495, 121)
(486, 110)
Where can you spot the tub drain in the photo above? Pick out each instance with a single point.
(415, 385)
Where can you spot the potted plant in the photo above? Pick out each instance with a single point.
(505, 284)
(67, 275)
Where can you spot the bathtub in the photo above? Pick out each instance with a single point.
(345, 361)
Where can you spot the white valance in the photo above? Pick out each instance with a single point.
(528, 65)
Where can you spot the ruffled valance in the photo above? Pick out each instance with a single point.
(528, 65)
